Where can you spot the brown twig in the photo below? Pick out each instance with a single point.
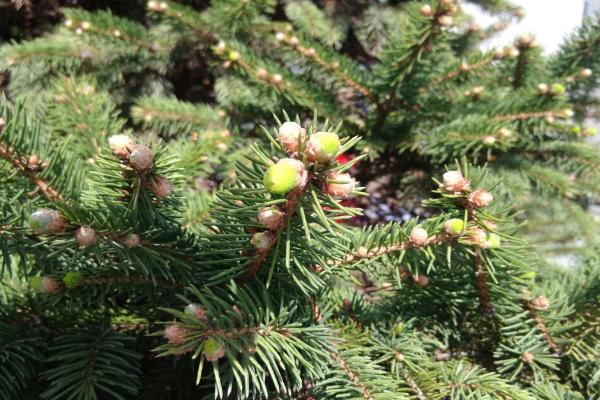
(460, 70)
(542, 327)
(49, 192)
(522, 116)
(415, 388)
(479, 269)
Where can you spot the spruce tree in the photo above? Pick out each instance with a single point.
(182, 209)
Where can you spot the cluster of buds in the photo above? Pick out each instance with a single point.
(45, 284)
(475, 92)
(556, 89)
(507, 52)
(290, 40)
(581, 131)
(526, 41)
(157, 5)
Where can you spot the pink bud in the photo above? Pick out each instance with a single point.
(426, 10)
(477, 236)
(197, 310)
(340, 184)
(161, 186)
(418, 236)
(49, 285)
(454, 182)
(120, 145)
(289, 132)
(85, 236)
(131, 240)
(175, 334)
(527, 357)
(421, 280)
(541, 303)
(270, 217)
(480, 198)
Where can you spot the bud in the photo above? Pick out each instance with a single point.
(152, 5)
(2, 124)
(176, 334)
(85, 236)
(263, 240)
(524, 40)
(505, 133)
(270, 217)
(527, 357)
(131, 240)
(418, 236)
(558, 89)
(575, 130)
(543, 88)
(585, 73)
(421, 280)
(289, 133)
(262, 73)
(311, 52)
(196, 310)
(233, 56)
(46, 221)
(464, 67)
(339, 184)
(117, 33)
(477, 236)
(141, 158)
(511, 52)
(161, 186)
(213, 349)
(44, 284)
(498, 54)
(68, 23)
(280, 36)
(276, 79)
(120, 145)
(323, 146)
(454, 182)
(85, 25)
(492, 241)
(285, 176)
(567, 113)
(73, 279)
(490, 225)
(445, 20)
(426, 11)
(221, 48)
(480, 198)
(454, 227)
(590, 131)
(294, 41)
(489, 140)
(163, 6)
(541, 303)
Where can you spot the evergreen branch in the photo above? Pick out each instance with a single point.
(479, 269)
(29, 170)
(464, 69)
(352, 375)
(526, 115)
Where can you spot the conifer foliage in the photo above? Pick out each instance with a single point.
(154, 247)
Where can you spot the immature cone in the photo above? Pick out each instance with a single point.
(418, 236)
(131, 240)
(340, 185)
(263, 240)
(426, 10)
(161, 186)
(46, 221)
(541, 303)
(213, 349)
(454, 227)
(270, 217)
(73, 279)
(85, 236)
(454, 182)
(196, 310)
(289, 133)
(175, 334)
(141, 158)
(323, 146)
(480, 198)
(44, 284)
(284, 176)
